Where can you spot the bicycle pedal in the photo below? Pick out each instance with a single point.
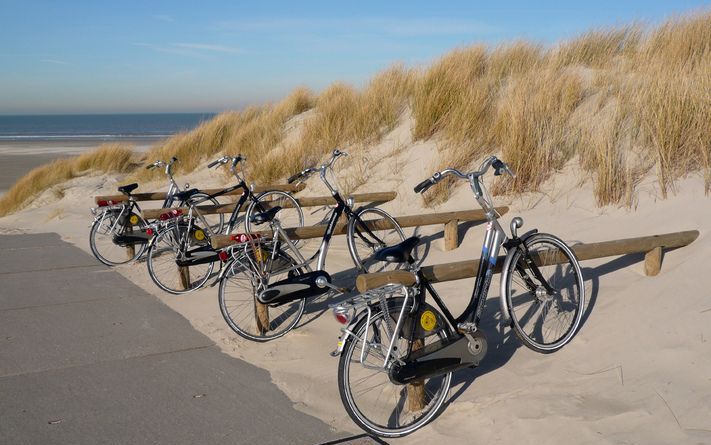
(466, 327)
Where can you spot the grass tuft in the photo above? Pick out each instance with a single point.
(108, 158)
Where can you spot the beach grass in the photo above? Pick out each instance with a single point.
(107, 158)
(622, 102)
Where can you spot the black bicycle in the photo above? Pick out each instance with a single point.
(398, 352)
(265, 284)
(180, 257)
(119, 234)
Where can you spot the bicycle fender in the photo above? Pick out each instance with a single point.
(505, 311)
(393, 304)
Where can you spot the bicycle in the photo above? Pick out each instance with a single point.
(184, 240)
(400, 378)
(264, 287)
(113, 237)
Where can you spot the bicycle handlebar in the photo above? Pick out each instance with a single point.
(225, 159)
(499, 168)
(304, 174)
(161, 163)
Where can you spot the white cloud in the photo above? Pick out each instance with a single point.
(164, 18)
(190, 49)
(55, 61)
(404, 27)
(208, 47)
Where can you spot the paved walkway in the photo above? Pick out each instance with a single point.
(88, 357)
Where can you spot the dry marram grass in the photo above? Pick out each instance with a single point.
(651, 88)
(108, 158)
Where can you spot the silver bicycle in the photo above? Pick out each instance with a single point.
(180, 258)
(119, 234)
(266, 282)
(398, 352)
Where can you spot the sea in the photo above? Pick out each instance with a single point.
(73, 133)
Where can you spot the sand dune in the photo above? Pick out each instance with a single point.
(637, 372)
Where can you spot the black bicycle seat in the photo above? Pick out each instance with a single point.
(184, 196)
(127, 189)
(399, 253)
(261, 218)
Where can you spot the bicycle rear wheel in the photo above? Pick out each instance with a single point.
(372, 230)
(165, 249)
(371, 399)
(103, 233)
(544, 289)
(238, 292)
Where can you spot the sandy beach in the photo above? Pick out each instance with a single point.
(20, 156)
(637, 372)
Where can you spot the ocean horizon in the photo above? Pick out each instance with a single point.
(96, 127)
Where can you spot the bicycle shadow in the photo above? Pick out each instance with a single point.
(316, 307)
(503, 343)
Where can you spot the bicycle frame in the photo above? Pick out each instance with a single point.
(320, 255)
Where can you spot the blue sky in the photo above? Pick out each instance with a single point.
(171, 56)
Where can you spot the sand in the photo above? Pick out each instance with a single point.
(19, 157)
(638, 371)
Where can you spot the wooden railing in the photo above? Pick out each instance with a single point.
(303, 202)
(160, 196)
(651, 246)
(449, 219)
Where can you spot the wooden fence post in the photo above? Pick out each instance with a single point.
(451, 235)
(131, 247)
(184, 273)
(261, 313)
(416, 391)
(653, 262)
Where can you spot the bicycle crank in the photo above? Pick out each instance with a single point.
(441, 357)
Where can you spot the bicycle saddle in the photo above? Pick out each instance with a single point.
(184, 196)
(261, 218)
(399, 253)
(127, 189)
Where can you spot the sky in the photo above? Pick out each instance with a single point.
(205, 56)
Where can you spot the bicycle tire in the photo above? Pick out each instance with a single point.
(361, 244)
(438, 386)
(527, 297)
(100, 241)
(215, 220)
(291, 215)
(166, 274)
(239, 305)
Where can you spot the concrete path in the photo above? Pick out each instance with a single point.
(88, 357)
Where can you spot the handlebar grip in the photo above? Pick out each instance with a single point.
(150, 166)
(293, 178)
(213, 163)
(499, 167)
(173, 159)
(424, 185)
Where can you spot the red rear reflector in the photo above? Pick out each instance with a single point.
(149, 232)
(341, 318)
(170, 214)
(223, 256)
(244, 237)
(103, 203)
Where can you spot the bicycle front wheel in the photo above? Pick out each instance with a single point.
(216, 221)
(371, 399)
(290, 215)
(166, 249)
(544, 289)
(371, 230)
